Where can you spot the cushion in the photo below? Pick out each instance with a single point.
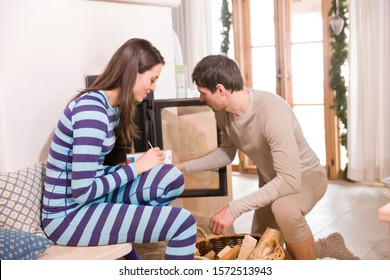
(19, 245)
(386, 181)
(21, 199)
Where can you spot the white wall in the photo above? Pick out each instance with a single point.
(46, 48)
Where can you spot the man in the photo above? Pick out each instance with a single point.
(263, 126)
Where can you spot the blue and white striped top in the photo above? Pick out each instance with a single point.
(75, 173)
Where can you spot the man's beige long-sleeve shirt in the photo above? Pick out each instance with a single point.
(270, 135)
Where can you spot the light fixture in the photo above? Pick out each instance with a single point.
(337, 23)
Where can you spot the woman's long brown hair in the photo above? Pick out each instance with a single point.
(134, 56)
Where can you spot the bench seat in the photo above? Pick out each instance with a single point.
(107, 252)
(384, 215)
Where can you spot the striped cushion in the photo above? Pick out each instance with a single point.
(20, 199)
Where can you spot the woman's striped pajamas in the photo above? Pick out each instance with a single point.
(86, 203)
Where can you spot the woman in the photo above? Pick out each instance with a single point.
(87, 203)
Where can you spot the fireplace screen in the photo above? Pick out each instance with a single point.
(188, 128)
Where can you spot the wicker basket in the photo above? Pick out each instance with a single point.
(206, 243)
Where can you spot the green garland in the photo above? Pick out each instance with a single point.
(338, 60)
(226, 20)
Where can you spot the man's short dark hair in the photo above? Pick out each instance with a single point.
(218, 69)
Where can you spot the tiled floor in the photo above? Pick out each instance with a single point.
(348, 208)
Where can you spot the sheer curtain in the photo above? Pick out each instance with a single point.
(369, 93)
(192, 24)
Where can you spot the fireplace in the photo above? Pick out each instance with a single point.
(188, 128)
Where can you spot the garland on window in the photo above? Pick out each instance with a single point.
(226, 20)
(338, 62)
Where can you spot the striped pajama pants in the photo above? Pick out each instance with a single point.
(136, 212)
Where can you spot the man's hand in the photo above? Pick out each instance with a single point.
(221, 221)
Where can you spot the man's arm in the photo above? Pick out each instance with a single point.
(214, 160)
